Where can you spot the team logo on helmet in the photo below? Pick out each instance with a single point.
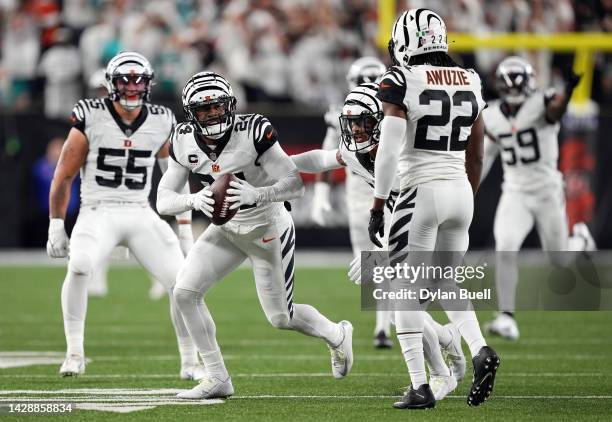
(515, 80)
(364, 70)
(128, 79)
(209, 103)
(360, 119)
(415, 32)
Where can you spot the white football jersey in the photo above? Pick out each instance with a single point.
(120, 161)
(441, 104)
(237, 152)
(528, 143)
(363, 166)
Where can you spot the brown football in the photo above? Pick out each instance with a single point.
(222, 214)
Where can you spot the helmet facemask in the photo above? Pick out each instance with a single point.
(515, 81)
(130, 90)
(213, 118)
(361, 132)
(129, 77)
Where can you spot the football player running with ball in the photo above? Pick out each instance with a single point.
(523, 127)
(432, 134)
(217, 141)
(114, 142)
(360, 132)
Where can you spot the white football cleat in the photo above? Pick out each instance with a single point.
(193, 371)
(504, 326)
(342, 355)
(73, 366)
(209, 388)
(442, 385)
(453, 353)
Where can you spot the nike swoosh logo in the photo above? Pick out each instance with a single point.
(384, 85)
(269, 135)
(417, 394)
(264, 240)
(489, 375)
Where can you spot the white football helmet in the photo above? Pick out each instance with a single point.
(126, 67)
(360, 118)
(515, 80)
(208, 92)
(417, 31)
(363, 70)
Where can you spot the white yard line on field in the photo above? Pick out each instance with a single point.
(304, 374)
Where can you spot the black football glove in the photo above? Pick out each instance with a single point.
(376, 225)
(571, 81)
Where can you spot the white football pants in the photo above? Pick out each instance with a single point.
(97, 231)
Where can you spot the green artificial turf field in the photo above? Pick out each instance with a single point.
(559, 370)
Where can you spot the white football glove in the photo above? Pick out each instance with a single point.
(185, 237)
(372, 259)
(204, 201)
(354, 273)
(241, 194)
(320, 203)
(57, 243)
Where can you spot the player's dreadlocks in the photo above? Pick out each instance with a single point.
(436, 58)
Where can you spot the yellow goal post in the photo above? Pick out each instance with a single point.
(584, 44)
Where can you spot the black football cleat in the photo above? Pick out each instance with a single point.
(381, 341)
(422, 398)
(485, 364)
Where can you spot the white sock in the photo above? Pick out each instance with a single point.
(74, 308)
(187, 348)
(443, 333)
(433, 354)
(307, 320)
(215, 367)
(506, 280)
(201, 329)
(467, 324)
(412, 349)
(383, 322)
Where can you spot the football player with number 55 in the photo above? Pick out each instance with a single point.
(114, 142)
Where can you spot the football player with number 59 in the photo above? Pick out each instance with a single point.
(523, 128)
(114, 142)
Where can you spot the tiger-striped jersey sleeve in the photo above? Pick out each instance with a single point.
(263, 134)
(392, 88)
(77, 117)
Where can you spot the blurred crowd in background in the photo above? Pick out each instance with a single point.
(274, 51)
(286, 59)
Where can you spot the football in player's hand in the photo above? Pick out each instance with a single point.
(222, 213)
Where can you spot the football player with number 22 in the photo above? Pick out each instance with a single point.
(432, 138)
